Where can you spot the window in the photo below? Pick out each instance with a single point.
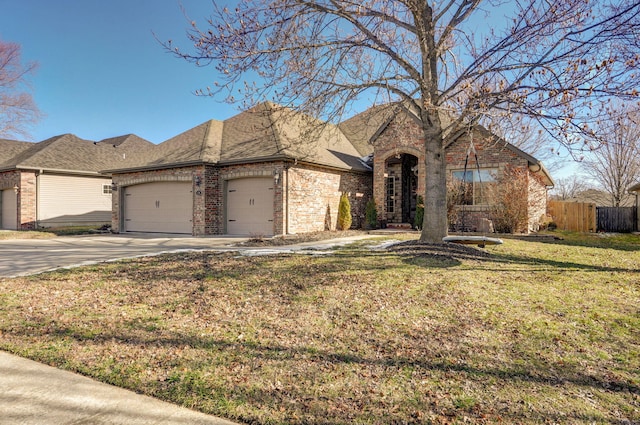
(391, 194)
(474, 185)
(106, 189)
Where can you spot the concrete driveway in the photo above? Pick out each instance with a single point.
(22, 257)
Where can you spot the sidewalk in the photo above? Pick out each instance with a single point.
(35, 394)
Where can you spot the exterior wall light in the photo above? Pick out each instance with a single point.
(16, 189)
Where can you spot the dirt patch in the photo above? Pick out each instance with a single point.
(449, 251)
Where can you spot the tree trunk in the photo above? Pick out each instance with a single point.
(434, 226)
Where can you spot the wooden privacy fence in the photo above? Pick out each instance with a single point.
(573, 216)
(617, 219)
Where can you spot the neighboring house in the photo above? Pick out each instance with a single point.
(57, 182)
(270, 171)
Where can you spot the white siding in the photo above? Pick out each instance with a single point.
(72, 200)
(9, 210)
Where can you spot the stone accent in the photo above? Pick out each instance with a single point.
(313, 195)
(537, 201)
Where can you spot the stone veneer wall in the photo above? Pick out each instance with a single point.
(314, 195)
(537, 201)
(27, 200)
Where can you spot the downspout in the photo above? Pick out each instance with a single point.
(38, 173)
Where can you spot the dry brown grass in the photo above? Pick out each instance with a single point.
(530, 333)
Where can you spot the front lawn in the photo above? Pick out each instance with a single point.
(532, 332)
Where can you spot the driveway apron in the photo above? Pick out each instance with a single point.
(23, 257)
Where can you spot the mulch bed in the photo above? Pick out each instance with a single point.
(450, 251)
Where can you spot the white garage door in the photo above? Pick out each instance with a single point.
(9, 210)
(164, 207)
(250, 206)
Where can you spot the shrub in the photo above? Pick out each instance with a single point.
(371, 214)
(419, 218)
(455, 195)
(509, 211)
(344, 213)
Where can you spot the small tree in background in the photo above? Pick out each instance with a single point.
(371, 214)
(509, 207)
(344, 213)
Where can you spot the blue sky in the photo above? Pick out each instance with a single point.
(103, 74)
(101, 71)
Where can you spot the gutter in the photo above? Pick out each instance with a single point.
(56, 170)
(272, 158)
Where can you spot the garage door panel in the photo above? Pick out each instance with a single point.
(9, 209)
(165, 207)
(250, 206)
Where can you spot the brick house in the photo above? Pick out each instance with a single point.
(394, 141)
(271, 171)
(57, 182)
(248, 175)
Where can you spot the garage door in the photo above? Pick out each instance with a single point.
(164, 207)
(250, 206)
(9, 210)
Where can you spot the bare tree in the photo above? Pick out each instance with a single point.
(526, 134)
(556, 62)
(17, 108)
(615, 163)
(569, 187)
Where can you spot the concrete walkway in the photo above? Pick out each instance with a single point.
(35, 394)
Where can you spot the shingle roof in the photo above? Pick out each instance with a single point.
(70, 153)
(271, 131)
(262, 133)
(11, 148)
(362, 128)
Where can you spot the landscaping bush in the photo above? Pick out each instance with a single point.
(509, 211)
(371, 214)
(344, 213)
(419, 218)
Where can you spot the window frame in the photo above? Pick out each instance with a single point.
(479, 180)
(390, 191)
